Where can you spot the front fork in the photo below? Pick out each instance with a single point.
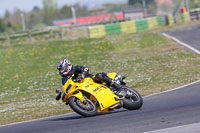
(77, 95)
(80, 96)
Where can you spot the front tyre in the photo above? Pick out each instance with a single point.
(133, 100)
(88, 108)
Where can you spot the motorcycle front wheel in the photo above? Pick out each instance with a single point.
(86, 108)
(133, 100)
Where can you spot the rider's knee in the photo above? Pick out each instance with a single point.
(98, 76)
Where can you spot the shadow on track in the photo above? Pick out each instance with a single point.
(76, 116)
(112, 112)
(66, 118)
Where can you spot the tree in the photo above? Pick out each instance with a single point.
(132, 2)
(15, 18)
(65, 12)
(7, 14)
(110, 8)
(194, 3)
(82, 11)
(49, 8)
(35, 9)
(3, 25)
(36, 16)
(150, 5)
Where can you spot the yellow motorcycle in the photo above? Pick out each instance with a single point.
(88, 98)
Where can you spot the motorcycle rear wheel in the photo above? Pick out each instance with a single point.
(88, 108)
(133, 102)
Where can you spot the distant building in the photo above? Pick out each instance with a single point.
(161, 2)
(164, 6)
(88, 20)
(97, 10)
(133, 14)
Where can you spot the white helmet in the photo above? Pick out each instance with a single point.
(64, 67)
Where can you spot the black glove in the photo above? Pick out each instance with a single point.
(58, 96)
(79, 78)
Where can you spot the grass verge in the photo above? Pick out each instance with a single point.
(29, 78)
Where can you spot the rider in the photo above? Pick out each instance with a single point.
(66, 70)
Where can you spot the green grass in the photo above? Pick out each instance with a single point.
(28, 75)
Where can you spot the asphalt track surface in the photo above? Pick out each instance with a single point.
(167, 110)
(188, 35)
(170, 109)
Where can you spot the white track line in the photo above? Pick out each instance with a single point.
(173, 89)
(181, 43)
(188, 46)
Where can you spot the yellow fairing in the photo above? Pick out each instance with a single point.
(101, 95)
(112, 75)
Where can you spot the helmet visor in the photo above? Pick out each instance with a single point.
(62, 69)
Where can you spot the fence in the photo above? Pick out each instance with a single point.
(64, 33)
(137, 26)
(72, 33)
(126, 27)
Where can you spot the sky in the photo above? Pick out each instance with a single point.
(27, 5)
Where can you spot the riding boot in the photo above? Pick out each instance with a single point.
(111, 82)
(102, 77)
(116, 86)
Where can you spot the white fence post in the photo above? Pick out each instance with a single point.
(30, 36)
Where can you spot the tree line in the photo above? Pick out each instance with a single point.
(42, 17)
(39, 17)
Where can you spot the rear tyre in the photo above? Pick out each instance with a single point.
(88, 108)
(133, 100)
